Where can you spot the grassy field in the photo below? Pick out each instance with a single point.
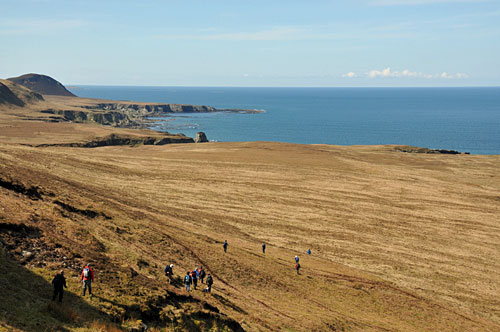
(400, 241)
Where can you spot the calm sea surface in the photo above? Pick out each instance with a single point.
(464, 119)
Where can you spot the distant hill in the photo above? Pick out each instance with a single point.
(42, 84)
(15, 94)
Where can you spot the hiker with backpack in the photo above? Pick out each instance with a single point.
(194, 278)
(169, 272)
(87, 279)
(297, 267)
(210, 281)
(225, 246)
(187, 281)
(308, 251)
(201, 273)
(263, 248)
(297, 259)
(59, 283)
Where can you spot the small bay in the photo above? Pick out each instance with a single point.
(463, 119)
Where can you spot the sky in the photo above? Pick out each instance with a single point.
(253, 43)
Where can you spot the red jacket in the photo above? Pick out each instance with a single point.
(91, 274)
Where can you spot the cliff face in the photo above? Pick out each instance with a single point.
(152, 109)
(42, 84)
(124, 114)
(115, 139)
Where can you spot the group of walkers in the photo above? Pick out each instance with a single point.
(59, 282)
(191, 277)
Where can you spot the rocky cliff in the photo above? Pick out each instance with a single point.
(115, 139)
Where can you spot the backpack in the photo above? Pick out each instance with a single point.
(193, 274)
(187, 279)
(86, 272)
(297, 266)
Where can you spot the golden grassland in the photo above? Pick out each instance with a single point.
(400, 241)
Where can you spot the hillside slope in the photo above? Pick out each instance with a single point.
(12, 94)
(400, 242)
(42, 84)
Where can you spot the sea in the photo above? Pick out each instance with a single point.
(462, 119)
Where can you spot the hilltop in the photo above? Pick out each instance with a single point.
(401, 241)
(42, 84)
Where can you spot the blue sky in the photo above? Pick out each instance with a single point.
(253, 42)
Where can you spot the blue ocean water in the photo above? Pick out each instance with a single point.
(463, 119)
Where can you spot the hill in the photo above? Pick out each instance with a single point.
(17, 95)
(401, 241)
(42, 84)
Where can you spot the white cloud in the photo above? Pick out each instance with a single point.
(350, 75)
(387, 72)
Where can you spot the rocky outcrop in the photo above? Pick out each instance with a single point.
(114, 139)
(42, 84)
(412, 149)
(116, 119)
(201, 137)
(151, 109)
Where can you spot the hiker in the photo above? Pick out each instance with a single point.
(194, 277)
(210, 281)
(59, 283)
(169, 272)
(201, 273)
(87, 278)
(297, 267)
(308, 251)
(263, 248)
(187, 281)
(225, 246)
(296, 259)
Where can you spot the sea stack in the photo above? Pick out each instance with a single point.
(201, 137)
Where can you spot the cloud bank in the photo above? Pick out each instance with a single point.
(387, 72)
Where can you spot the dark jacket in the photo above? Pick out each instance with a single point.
(210, 281)
(59, 281)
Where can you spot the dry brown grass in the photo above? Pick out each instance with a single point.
(63, 313)
(400, 242)
(99, 326)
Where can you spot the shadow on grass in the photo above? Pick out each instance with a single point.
(27, 305)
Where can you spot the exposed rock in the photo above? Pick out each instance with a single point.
(114, 139)
(201, 137)
(42, 84)
(26, 253)
(412, 149)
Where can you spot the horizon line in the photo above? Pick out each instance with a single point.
(69, 86)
